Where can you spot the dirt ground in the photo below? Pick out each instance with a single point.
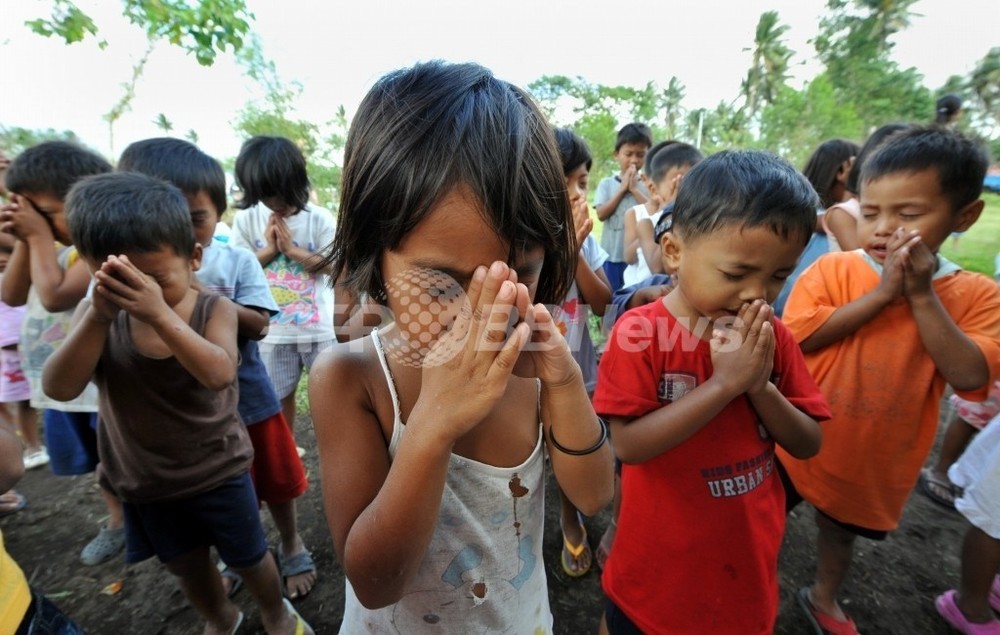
(890, 590)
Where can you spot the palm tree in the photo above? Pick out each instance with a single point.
(769, 66)
(887, 17)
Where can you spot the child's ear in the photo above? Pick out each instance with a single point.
(196, 257)
(670, 249)
(968, 215)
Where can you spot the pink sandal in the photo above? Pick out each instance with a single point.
(946, 608)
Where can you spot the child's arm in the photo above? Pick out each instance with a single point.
(631, 237)
(629, 182)
(210, 359)
(382, 515)
(843, 226)
(252, 322)
(592, 284)
(956, 357)
(17, 276)
(586, 479)
(848, 318)
(71, 366)
(738, 363)
(650, 249)
(792, 429)
(58, 290)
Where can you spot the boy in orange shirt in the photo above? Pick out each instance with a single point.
(883, 329)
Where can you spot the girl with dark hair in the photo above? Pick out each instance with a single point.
(948, 109)
(285, 231)
(454, 216)
(590, 291)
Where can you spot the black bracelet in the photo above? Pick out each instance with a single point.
(594, 448)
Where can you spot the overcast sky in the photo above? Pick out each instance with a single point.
(338, 49)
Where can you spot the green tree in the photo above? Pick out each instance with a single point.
(204, 28)
(275, 114)
(799, 120)
(15, 140)
(984, 89)
(855, 44)
(769, 64)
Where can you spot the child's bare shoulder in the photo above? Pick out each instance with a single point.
(348, 370)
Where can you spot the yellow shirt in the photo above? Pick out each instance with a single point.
(15, 598)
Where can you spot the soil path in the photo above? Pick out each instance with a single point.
(890, 590)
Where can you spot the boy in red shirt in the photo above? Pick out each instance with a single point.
(699, 387)
(884, 328)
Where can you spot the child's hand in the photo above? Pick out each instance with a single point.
(466, 371)
(919, 265)
(102, 309)
(675, 184)
(282, 235)
(628, 178)
(891, 284)
(582, 222)
(20, 218)
(270, 233)
(743, 356)
(122, 284)
(547, 356)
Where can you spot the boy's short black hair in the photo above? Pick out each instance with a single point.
(960, 161)
(634, 133)
(121, 212)
(647, 165)
(272, 166)
(178, 162)
(673, 156)
(872, 143)
(750, 188)
(52, 167)
(422, 132)
(573, 150)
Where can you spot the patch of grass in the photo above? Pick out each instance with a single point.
(977, 248)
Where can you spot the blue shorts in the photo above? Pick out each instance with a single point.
(71, 438)
(615, 271)
(227, 517)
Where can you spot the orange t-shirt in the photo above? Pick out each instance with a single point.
(881, 385)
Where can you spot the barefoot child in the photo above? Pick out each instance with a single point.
(883, 329)
(700, 387)
(432, 432)
(163, 355)
(278, 475)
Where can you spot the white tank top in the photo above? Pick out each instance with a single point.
(483, 570)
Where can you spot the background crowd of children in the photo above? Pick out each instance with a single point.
(165, 357)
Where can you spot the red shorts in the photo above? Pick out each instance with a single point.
(277, 471)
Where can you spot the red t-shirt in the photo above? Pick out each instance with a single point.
(701, 524)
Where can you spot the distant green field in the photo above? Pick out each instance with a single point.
(975, 250)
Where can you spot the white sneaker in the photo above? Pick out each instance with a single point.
(38, 458)
(301, 451)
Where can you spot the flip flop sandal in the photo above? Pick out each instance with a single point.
(295, 564)
(572, 553)
(300, 624)
(932, 487)
(13, 502)
(822, 623)
(946, 608)
(236, 626)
